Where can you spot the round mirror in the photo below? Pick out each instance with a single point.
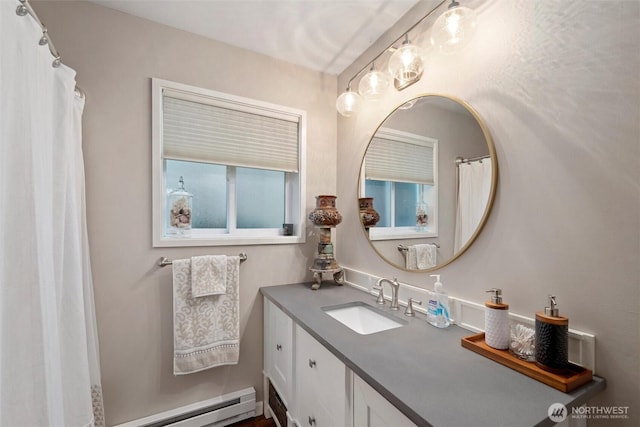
(427, 182)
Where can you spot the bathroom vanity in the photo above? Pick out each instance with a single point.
(326, 374)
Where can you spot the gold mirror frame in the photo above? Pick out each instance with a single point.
(491, 197)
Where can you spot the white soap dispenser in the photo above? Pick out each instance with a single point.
(496, 321)
(438, 307)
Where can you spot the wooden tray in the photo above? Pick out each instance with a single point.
(574, 378)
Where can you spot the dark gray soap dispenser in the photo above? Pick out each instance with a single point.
(552, 339)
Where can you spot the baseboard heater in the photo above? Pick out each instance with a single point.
(219, 411)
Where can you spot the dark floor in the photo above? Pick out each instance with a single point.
(260, 421)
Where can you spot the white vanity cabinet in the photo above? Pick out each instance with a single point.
(345, 379)
(370, 409)
(278, 350)
(317, 388)
(321, 384)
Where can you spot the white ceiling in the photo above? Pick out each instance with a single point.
(324, 35)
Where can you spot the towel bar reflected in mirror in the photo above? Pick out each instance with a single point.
(403, 248)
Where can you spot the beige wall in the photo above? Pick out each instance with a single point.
(115, 55)
(557, 84)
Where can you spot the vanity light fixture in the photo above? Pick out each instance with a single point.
(406, 65)
(454, 29)
(348, 103)
(374, 84)
(451, 31)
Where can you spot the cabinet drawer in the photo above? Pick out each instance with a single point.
(315, 414)
(370, 409)
(319, 374)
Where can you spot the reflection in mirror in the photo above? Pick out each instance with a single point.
(431, 170)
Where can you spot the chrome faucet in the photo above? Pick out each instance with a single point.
(409, 311)
(380, 300)
(394, 292)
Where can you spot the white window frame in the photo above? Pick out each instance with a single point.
(294, 212)
(393, 233)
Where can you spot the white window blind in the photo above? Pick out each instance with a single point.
(210, 130)
(400, 157)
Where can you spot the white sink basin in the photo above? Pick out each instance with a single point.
(363, 318)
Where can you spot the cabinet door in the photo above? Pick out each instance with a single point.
(278, 350)
(370, 409)
(321, 383)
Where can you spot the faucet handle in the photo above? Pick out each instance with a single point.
(409, 311)
(380, 299)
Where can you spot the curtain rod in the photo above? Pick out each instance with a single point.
(472, 159)
(26, 9)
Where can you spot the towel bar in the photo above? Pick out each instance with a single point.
(164, 261)
(403, 248)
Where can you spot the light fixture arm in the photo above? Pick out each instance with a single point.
(349, 86)
(406, 35)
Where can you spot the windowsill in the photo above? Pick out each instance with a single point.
(226, 240)
(397, 234)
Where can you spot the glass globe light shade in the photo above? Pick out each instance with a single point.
(454, 29)
(405, 65)
(373, 85)
(348, 103)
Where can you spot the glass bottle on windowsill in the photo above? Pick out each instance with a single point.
(179, 211)
(422, 219)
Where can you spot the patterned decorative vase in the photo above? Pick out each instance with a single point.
(324, 259)
(368, 214)
(325, 214)
(325, 217)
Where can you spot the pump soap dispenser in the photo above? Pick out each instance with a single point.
(438, 305)
(496, 321)
(552, 339)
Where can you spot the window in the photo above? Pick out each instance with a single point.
(241, 160)
(400, 173)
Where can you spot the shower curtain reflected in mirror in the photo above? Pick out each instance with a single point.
(49, 369)
(474, 188)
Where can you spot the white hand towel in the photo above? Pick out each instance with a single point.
(411, 260)
(208, 275)
(426, 255)
(206, 330)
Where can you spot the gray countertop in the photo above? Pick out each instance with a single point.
(424, 371)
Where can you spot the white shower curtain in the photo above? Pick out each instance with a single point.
(474, 188)
(49, 369)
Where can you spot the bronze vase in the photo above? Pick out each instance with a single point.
(368, 214)
(325, 214)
